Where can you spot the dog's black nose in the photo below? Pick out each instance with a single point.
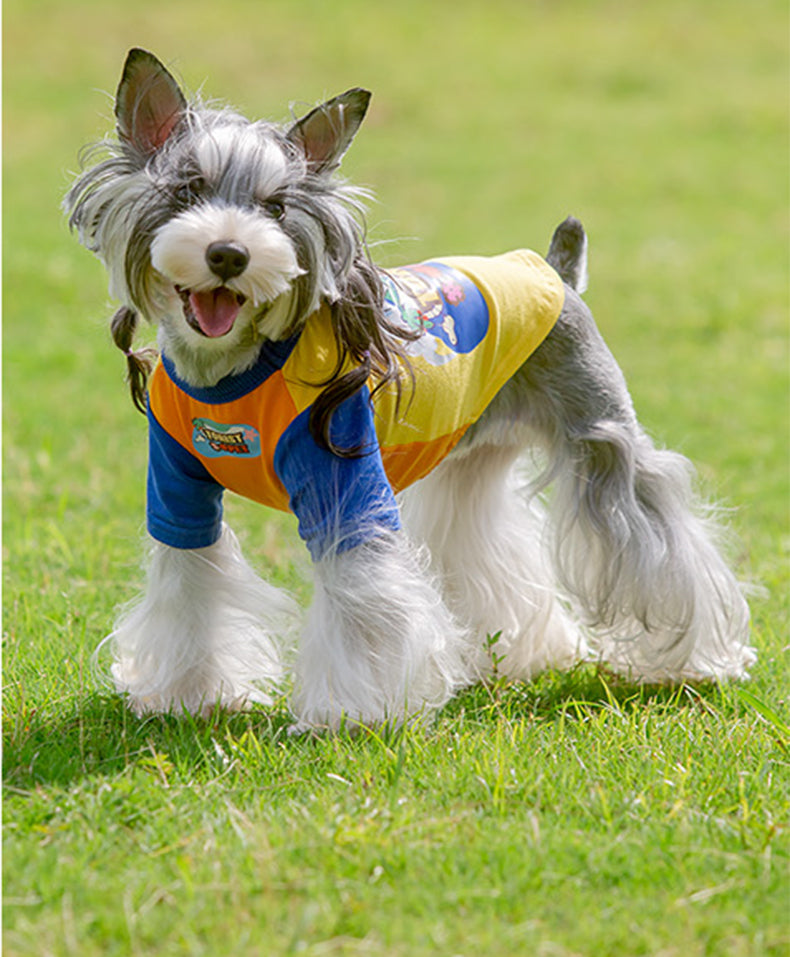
(227, 260)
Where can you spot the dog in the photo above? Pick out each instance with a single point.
(391, 411)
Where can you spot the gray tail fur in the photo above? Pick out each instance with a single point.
(568, 253)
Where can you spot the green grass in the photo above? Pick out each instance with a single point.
(575, 815)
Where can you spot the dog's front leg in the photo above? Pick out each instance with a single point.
(379, 643)
(205, 632)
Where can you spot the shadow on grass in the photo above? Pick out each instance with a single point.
(99, 736)
(584, 688)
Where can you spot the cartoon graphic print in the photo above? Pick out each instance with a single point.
(216, 439)
(440, 303)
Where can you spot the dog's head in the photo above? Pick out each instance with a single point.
(224, 232)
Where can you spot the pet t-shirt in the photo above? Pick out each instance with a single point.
(478, 320)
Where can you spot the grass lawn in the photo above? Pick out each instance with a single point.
(572, 816)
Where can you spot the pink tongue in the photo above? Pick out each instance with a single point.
(215, 310)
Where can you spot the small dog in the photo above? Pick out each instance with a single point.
(388, 410)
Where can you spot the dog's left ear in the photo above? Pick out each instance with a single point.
(327, 131)
(149, 103)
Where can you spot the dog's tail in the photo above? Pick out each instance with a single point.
(568, 253)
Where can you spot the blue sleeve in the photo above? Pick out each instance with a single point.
(184, 503)
(339, 502)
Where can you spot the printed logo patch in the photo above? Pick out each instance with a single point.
(217, 439)
(442, 304)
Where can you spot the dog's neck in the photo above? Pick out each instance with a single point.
(204, 368)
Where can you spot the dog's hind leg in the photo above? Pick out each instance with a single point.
(487, 548)
(633, 546)
(207, 632)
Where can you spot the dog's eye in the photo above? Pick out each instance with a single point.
(274, 208)
(190, 190)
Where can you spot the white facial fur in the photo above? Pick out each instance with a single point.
(179, 251)
(225, 148)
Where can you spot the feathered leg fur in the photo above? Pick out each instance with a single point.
(487, 547)
(207, 632)
(379, 643)
(637, 552)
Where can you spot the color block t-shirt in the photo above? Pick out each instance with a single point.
(478, 320)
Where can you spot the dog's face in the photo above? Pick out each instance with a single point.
(221, 258)
(221, 230)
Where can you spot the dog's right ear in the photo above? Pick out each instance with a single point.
(148, 104)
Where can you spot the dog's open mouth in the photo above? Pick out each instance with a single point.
(213, 312)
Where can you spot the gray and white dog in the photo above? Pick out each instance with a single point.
(388, 410)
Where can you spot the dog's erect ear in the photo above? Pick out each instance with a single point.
(568, 253)
(327, 131)
(149, 103)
